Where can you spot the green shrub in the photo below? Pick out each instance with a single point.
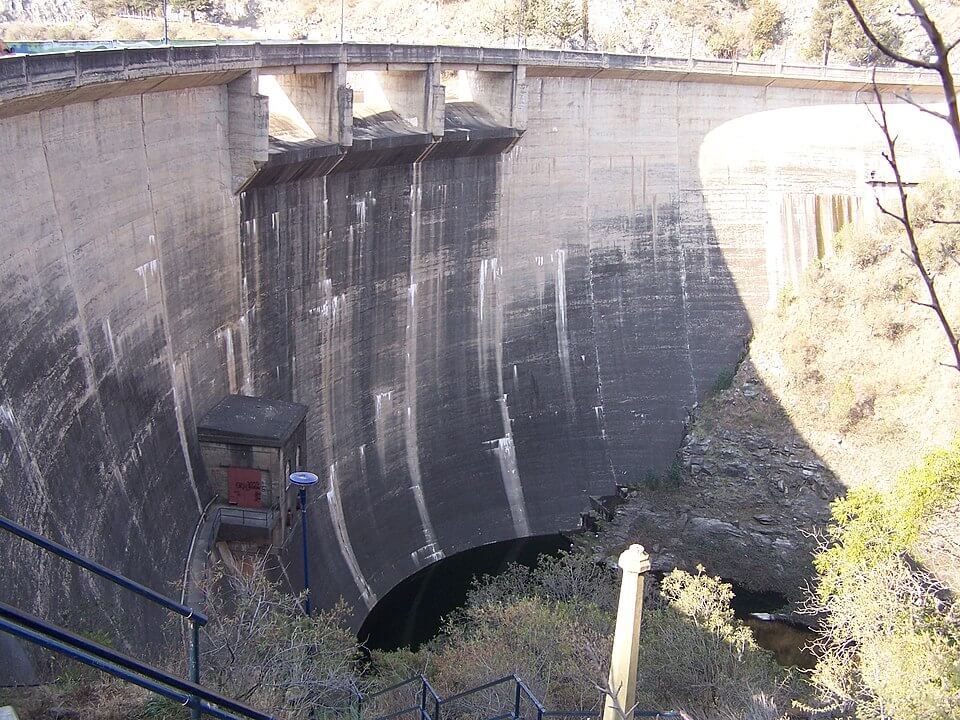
(725, 41)
(834, 28)
(553, 625)
(696, 657)
(766, 27)
(724, 381)
(572, 577)
(891, 634)
(260, 647)
(561, 651)
(871, 526)
(862, 244)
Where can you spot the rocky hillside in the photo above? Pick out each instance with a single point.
(769, 29)
(843, 385)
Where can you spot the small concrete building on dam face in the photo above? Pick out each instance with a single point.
(499, 279)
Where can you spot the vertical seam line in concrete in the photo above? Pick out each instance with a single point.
(168, 337)
(411, 434)
(81, 316)
(85, 347)
(594, 313)
(681, 255)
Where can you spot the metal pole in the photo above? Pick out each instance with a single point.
(516, 703)
(341, 21)
(195, 665)
(423, 698)
(303, 480)
(306, 559)
(166, 34)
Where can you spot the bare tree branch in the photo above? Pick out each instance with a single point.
(922, 108)
(886, 49)
(941, 65)
(905, 221)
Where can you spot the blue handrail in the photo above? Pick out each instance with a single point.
(164, 687)
(521, 690)
(81, 646)
(104, 572)
(196, 618)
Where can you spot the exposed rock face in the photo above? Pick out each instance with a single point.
(39, 10)
(744, 497)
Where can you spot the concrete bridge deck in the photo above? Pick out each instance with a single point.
(60, 78)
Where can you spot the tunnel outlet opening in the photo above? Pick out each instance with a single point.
(413, 612)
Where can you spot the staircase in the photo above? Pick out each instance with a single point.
(506, 698)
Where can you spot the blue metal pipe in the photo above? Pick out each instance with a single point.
(95, 662)
(306, 558)
(104, 572)
(11, 616)
(195, 659)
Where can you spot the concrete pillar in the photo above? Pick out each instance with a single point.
(436, 102)
(518, 99)
(502, 93)
(417, 96)
(341, 106)
(626, 640)
(247, 120)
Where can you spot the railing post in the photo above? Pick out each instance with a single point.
(622, 684)
(195, 665)
(423, 698)
(516, 702)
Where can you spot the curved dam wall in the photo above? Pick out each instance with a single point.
(484, 339)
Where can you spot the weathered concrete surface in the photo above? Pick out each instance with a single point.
(119, 266)
(483, 340)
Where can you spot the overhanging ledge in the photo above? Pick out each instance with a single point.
(35, 82)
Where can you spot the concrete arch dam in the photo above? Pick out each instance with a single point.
(498, 278)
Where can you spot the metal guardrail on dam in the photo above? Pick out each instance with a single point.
(64, 73)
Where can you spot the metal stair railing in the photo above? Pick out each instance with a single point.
(39, 632)
(427, 696)
(196, 618)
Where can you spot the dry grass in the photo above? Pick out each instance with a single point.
(857, 363)
(119, 29)
(100, 699)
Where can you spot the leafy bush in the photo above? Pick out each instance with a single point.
(766, 26)
(696, 657)
(891, 634)
(725, 41)
(553, 625)
(834, 28)
(871, 526)
(573, 578)
(560, 650)
(862, 243)
(724, 381)
(556, 20)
